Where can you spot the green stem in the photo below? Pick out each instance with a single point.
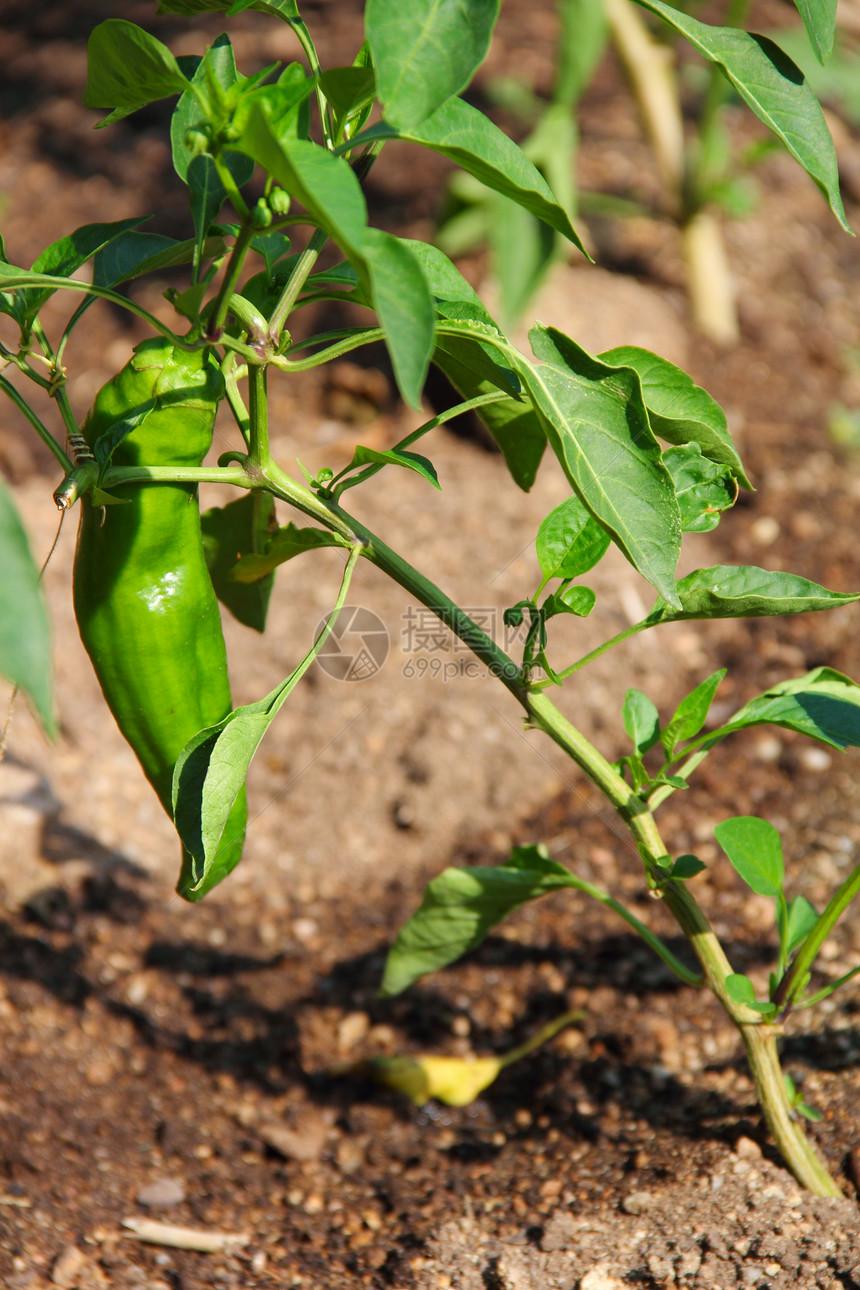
(258, 416)
(234, 398)
(792, 982)
(298, 277)
(377, 552)
(233, 195)
(360, 336)
(229, 282)
(760, 1042)
(811, 1000)
(334, 489)
(237, 475)
(41, 430)
(595, 653)
(104, 293)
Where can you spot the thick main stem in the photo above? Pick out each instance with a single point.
(760, 1042)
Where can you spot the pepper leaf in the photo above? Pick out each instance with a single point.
(465, 136)
(774, 87)
(570, 541)
(745, 591)
(755, 849)
(127, 68)
(680, 411)
(596, 423)
(426, 51)
(459, 908)
(230, 534)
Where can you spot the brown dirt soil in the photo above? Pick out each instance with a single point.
(174, 1062)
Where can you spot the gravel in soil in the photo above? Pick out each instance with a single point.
(169, 1064)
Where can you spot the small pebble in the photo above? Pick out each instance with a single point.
(161, 1194)
(815, 759)
(746, 1147)
(637, 1202)
(600, 1277)
(68, 1266)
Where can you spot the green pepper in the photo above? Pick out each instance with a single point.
(144, 601)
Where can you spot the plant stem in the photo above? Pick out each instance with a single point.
(335, 487)
(424, 591)
(231, 277)
(760, 1042)
(298, 278)
(237, 475)
(600, 649)
(41, 430)
(258, 416)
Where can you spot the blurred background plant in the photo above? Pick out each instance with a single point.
(705, 174)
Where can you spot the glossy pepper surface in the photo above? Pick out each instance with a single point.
(144, 602)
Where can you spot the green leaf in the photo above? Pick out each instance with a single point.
(802, 917)
(272, 247)
(284, 545)
(755, 849)
(679, 410)
(283, 103)
(110, 439)
(745, 591)
(770, 83)
(703, 488)
(595, 420)
(513, 423)
(403, 303)
(218, 64)
(393, 457)
(474, 368)
(641, 720)
(325, 185)
(465, 136)
(127, 69)
(25, 640)
(551, 147)
(577, 600)
(209, 775)
(134, 254)
(459, 908)
(63, 258)
(426, 51)
(348, 88)
(823, 704)
(230, 534)
(691, 713)
(570, 541)
(819, 19)
(519, 276)
(686, 867)
(740, 989)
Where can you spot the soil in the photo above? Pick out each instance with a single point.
(186, 1064)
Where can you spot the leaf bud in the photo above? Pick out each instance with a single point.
(261, 216)
(197, 140)
(279, 202)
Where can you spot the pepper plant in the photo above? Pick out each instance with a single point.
(647, 454)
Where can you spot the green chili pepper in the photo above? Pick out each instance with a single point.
(144, 602)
